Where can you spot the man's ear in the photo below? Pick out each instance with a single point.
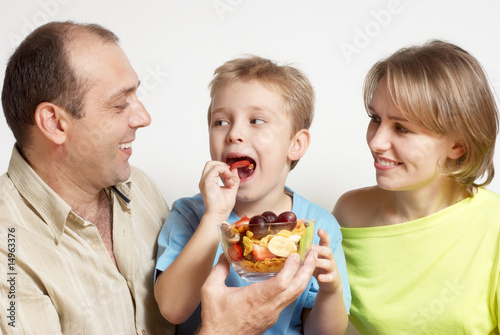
(51, 120)
(300, 143)
(456, 151)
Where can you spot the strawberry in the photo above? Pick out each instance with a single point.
(235, 252)
(260, 253)
(242, 224)
(241, 164)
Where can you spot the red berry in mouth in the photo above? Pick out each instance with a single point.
(241, 164)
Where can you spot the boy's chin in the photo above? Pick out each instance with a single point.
(245, 196)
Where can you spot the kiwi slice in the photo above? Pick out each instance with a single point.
(306, 240)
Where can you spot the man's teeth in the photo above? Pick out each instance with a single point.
(383, 162)
(125, 145)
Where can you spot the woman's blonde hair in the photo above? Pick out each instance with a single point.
(443, 88)
(293, 85)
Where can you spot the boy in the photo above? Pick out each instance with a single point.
(259, 112)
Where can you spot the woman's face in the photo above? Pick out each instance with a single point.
(406, 156)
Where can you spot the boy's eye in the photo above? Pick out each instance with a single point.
(257, 121)
(219, 123)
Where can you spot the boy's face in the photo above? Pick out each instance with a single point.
(249, 121)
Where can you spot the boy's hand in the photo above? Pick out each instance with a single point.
(219, 200)
(326, 272)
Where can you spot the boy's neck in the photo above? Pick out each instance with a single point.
(277, 204)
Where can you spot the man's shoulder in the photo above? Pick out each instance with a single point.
(144, 190)
(5, 184)
(137, 175)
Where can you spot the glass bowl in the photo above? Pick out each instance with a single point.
(258, 252)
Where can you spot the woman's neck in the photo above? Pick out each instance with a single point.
(415, 204)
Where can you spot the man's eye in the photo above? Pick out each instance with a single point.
(122, 107)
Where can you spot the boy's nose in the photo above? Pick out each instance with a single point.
(235, 135)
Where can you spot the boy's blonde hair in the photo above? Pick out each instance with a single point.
(293, 85)
(444, 89)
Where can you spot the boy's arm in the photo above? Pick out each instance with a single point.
(328, 315)
(177, 289)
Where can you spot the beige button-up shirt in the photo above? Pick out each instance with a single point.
(56, 275)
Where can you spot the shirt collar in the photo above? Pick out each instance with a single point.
(53, 210)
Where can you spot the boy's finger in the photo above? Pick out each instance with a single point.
(324, 238)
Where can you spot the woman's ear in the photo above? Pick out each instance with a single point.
(456, 151)
(300, 143)
(51, 121)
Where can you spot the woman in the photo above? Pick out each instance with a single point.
(423, 245)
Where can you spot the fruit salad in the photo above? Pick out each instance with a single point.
(257, 247)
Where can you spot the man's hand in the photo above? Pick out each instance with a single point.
(254, 308)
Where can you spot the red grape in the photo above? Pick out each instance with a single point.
(287, 217)
(270, 216)
(258, 226)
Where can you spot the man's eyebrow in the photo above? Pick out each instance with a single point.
(125, 91)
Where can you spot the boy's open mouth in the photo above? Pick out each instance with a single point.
(243, 172)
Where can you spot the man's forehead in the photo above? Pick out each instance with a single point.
(95, 60)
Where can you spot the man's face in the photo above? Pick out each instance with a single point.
(99, 144)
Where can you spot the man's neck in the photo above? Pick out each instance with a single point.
(84, 198)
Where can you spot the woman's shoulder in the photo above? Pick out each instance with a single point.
(354, 208)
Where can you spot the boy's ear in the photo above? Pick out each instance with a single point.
(52, 122)
(300, 143)
(456, 151)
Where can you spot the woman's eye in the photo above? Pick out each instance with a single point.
(374, 118)
(402, 130)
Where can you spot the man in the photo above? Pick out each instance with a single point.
(82, 224)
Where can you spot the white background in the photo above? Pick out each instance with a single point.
(175, 46)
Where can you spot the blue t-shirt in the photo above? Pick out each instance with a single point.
(185, 217)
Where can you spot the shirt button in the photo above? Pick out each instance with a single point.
(94, 246)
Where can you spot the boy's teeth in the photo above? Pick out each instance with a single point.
(125, 145)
